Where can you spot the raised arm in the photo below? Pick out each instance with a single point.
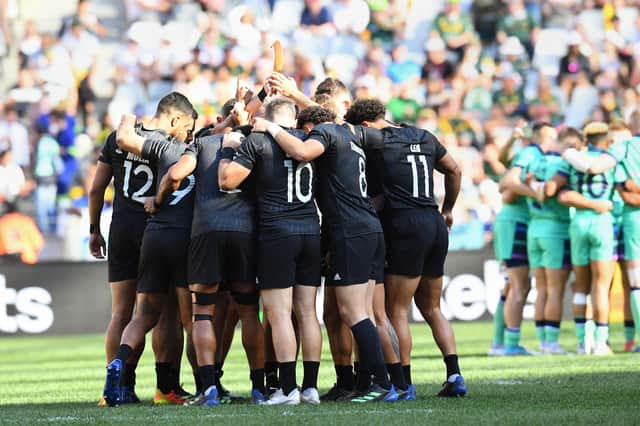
(452, 177)
(126, 136)
(287, 87)
(97, 245)
(297, 149)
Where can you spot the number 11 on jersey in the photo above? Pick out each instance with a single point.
(414, 160)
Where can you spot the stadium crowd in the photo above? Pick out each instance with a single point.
(468, 71)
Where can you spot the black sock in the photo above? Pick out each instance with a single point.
(540, 323)
(310, 379)
(451, 361)
(629, 323)
(555, 324)
(198, 380)
(288, 376)
(271, 372)
(344, 376)
(207, 374)
(129, 377)
(370, 350)
(175, 378)
(363, 377)
(257, 379)
(406, 369)
(163, 377)
(397, 376)
(124, 352)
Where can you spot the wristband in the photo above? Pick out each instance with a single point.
(273, 129)
(262, 95)
(227, 153)
(92, 228)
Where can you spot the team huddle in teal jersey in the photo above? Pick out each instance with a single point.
(571, 204)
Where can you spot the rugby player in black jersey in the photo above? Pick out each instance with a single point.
(354, 231)
(163, 254)
(415, 231)
(222, 248)
(288, 247)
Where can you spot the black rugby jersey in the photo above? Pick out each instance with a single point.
(410, 156)
(134, 178)
(342, 180)
(284, 186)
(215, 209)
(177, 209)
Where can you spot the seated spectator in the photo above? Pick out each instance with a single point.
(454, 27)
(573, 63)
(545, 106)
(350, 16)
(317, 18)
(402, 69)
(509, 98)
(403, 107)
(31, 44)
(518, 23)
(12, 181)
(82, 47)
(14, 133)
(437, 65)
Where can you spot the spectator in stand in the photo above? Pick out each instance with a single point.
(31, 44)
(437, 65)
(572, 64)
(48, 166)
(454, 27)
(545, 106)
(509, 98)
(350, 16)
(12, 180)
(82, 47)
(402, 69)
(14, 133)
(403, 107)
(518, 23)
(316, 18)
(88, 18)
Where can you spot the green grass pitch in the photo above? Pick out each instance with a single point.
(59, 380)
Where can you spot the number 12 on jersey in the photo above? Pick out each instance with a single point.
(293, 180)
(414, 160)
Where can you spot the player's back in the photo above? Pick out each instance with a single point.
(342, 180)
(177, 209)
(599, 187)
(519, 210)
(543, 169)
(284, 186)
(410, 157)
(628, 154)
(134, 178)
(215, 209)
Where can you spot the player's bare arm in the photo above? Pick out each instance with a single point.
(585, 163)
(575, 199)
(452, 177)
(629, 197)
(232, 178)
(171, 181)
(104, 173)
(511, 181)
(553, 185)
(297, 149)
(126, 136)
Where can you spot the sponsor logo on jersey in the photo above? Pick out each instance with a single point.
(414, 147)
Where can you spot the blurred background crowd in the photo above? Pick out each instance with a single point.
(468, 70)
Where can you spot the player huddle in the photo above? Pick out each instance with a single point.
(255, 210)
(572, 203)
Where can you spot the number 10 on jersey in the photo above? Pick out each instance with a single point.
(293, 180)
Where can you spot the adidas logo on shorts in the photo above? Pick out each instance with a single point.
(337, 277)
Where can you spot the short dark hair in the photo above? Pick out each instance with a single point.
(315, 115)
(175, 101)
(227, 107)
(331, 86)
(277, 104)
(538, 126)
(571, 132)
(365, 110)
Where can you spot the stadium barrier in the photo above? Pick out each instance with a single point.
(60, 298)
